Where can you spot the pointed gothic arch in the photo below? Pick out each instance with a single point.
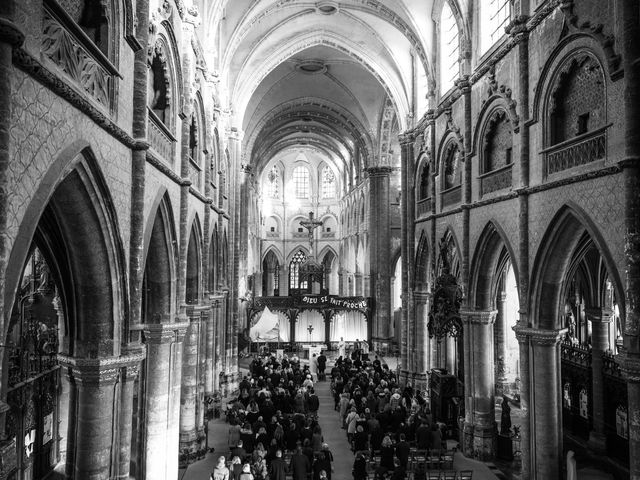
(160, 263)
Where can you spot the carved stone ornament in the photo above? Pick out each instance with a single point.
(59, 46)
(444, 318)
(504, 92)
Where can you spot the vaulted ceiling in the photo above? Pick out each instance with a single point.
(321, 74)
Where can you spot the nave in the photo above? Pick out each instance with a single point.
(334, 436)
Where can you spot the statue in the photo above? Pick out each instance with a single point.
(505, 423)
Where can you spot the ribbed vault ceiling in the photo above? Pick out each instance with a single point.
(320, 74)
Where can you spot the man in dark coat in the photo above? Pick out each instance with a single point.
(321, 464)
(403, 450)
(291, 437)
(313, 402)
(300, 465)
(322, 365)
(278, 468)
(423, 436)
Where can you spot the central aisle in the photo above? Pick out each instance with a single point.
(333, 434)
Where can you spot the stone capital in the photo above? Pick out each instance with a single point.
(195, 312)
(165, 332)
(603, 315)
(380, 171)
(539, 336)
(407, 138)
(91, 372)
(479, 317)
(421, 297)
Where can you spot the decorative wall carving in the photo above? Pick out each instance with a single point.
(74, 59)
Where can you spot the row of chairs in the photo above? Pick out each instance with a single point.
(448, 475)
(440, 460)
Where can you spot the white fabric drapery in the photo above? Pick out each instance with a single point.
(313, 318)
(350, 326)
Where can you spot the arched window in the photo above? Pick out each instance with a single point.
(494, 17)
(301, 182)
(195, 165)
(497, 142)
(451, 165)
(159, 99)
(93, 18)
(328, 183)
(425, 182)
(273, 182)
(449, 48)
(294, 271)
(222, 176)
(577, 102)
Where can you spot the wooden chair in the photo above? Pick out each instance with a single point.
(447, 459)
(433, 475)
(465, 474)
(448, 475)
(418, 456)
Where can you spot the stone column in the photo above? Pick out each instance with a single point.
(270, 282)
(500, 342)
(379, 248)
(628, 25)
(163, 371)
(358, 280)
(481, 372)
(283, 283)
(600, 320)
(128, 376)
(210, 351)
(94, 396)
(525, 429)
(327, 314)
(546, 419)
(189, 390)
(631, 370)
(406, 177)
(423, 344)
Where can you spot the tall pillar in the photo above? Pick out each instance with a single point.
(407, 229)
(358, 279)
(546, 416)
(283, 283)
(380, 247)
(269, 281)
(210, 352)
(600, 320)
(128, 377)
(481, 372)
(163, 371)
(92, 443)
(628, 25)
(423, 343)
(189, 441)
(631, 370)
(500, 342)
(525, 382)
(327, 314)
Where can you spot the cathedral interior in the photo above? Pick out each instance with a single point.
(455, 183)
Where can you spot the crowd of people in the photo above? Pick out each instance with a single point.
(380, 417)
(274, 428)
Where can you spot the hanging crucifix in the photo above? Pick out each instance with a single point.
(311, 224)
